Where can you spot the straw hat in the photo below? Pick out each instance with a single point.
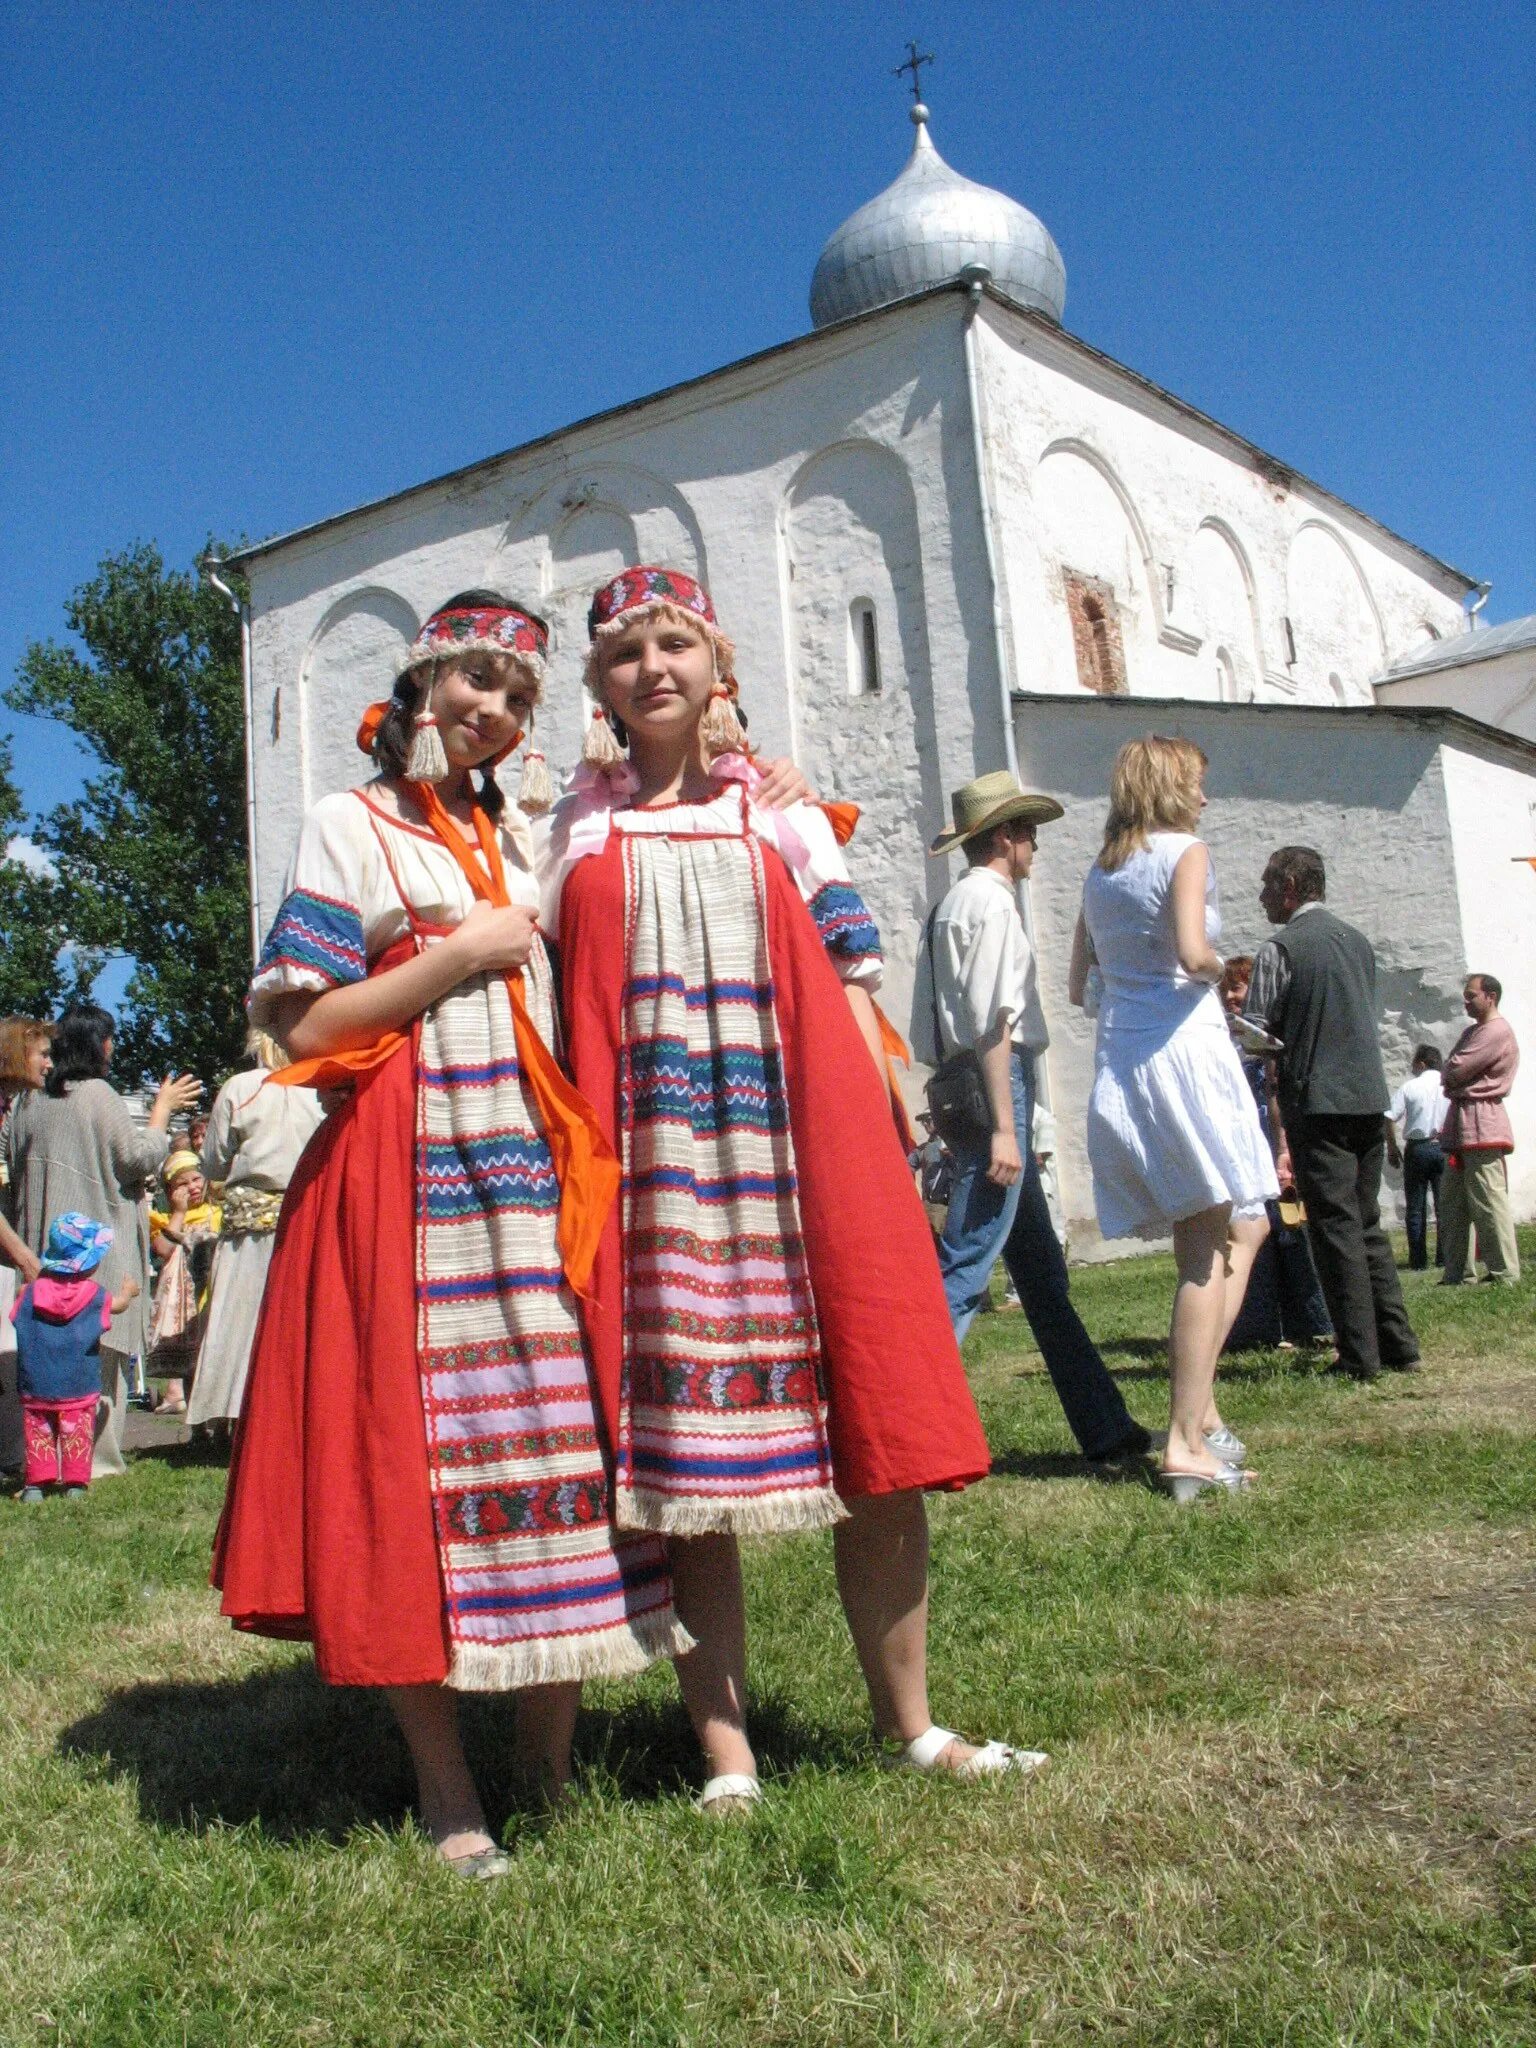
(994, 799)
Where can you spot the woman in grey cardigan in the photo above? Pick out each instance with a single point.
(74, 1146)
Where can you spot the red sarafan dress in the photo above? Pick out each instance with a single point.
(419, 1485)
(768, 1333)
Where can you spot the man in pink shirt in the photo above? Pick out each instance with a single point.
(1478, 1074)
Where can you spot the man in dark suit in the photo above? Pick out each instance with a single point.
(1314, 987)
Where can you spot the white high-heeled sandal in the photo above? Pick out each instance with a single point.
(991, 1760)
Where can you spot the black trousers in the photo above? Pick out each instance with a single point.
(1423, 1166)
(1337, 1160)
(1284, 1299)
(12, 1443)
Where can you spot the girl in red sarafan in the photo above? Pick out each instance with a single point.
(418, 1484)
(767, 1326)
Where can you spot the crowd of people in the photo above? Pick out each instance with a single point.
(178, 1209)
(534, 1292)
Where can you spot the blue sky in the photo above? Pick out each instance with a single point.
(265, 264)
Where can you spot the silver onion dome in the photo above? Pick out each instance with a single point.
(923, 231)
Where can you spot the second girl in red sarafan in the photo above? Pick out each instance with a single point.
(767, 1326)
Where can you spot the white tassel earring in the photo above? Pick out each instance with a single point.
(536, 792)
(722, 730)
(426, 762)
(600, 748)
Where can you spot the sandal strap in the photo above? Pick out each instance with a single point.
(731, 1785)
(925, 1750)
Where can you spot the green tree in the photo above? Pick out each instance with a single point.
(152, 857)
(39, 969)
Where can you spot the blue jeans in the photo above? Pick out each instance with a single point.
(1423, 1168)
(986, 1223)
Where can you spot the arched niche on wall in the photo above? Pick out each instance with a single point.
(1335, 623)
(1095, 540)
(861, 674)
(352, 659)
(587, 524)
(1224, 597)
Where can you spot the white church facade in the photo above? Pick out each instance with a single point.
(946, 536)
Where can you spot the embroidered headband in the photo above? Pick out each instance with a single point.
(635, 590)
(481, 629)
(631, 593)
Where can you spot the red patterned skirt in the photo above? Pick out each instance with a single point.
(327, 1530)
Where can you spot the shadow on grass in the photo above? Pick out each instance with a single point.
(1070, 1465)
(181, 1457)
(306, 1760)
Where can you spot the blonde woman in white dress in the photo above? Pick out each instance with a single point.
(1173, 1135)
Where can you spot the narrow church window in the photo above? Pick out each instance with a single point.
(1096, 641)
(1336, 684)
(863, 649)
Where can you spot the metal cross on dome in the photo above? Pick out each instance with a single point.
(916, 59)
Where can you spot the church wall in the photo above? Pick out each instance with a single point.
(739, 481)
(1492, 810)
(862, 677)
(1230, 581)
(1375, 796)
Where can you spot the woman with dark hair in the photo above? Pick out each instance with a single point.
(73, 1146)
(24, 1063)
(418, 1483)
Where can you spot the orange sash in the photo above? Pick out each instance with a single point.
(895, 1048)
(584, 1163)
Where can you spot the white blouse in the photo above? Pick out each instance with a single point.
(580, 823)
(356, 868)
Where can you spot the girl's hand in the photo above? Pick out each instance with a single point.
(491, 940)
(181, 1199)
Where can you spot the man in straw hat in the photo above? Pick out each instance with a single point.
(976, 988)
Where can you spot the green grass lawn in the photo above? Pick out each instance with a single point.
(1293, 1797)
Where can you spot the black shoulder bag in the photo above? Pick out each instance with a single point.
(958, 1100)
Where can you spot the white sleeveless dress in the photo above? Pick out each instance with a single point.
(1172, 1124)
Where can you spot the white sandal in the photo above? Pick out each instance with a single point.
(990, 1761)
(731, 1792)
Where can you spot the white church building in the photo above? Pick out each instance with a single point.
(948, 535)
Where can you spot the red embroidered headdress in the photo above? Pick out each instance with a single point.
(482, 629)
(636, 590)
(629, 595)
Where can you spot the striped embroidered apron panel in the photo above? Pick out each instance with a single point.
(538, 1586)
(722, 1418)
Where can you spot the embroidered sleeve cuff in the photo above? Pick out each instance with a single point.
(846, 927)
(316, 942)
